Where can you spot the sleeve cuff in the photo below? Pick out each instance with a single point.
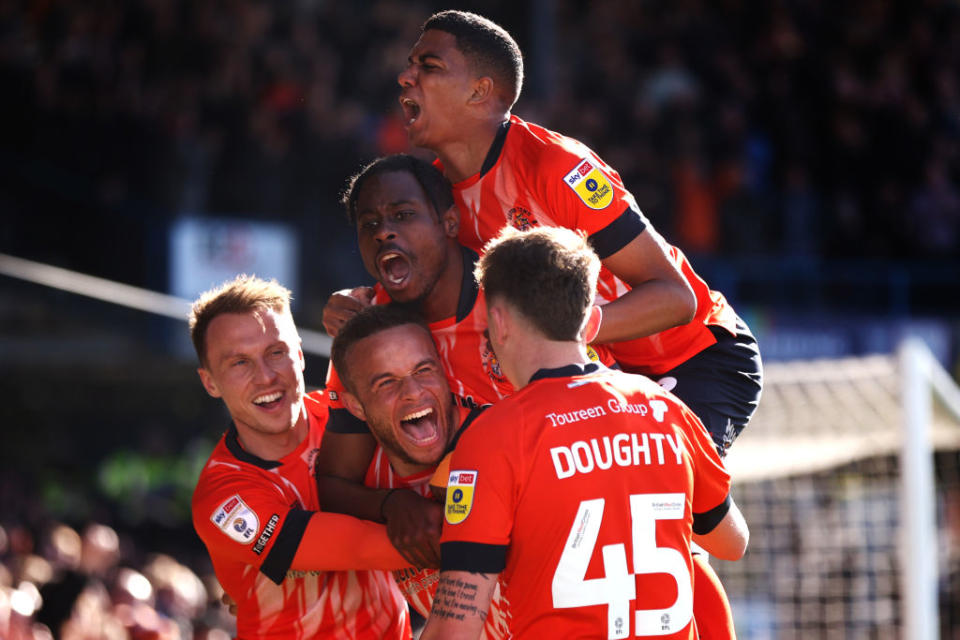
(617, 234)
(473, 556)
(704, 523)
(342, 421)
(278, 561)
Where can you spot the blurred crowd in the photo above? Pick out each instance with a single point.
(795, 128)
(93, 585)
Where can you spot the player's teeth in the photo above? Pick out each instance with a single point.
(417, 414)
(268, 398)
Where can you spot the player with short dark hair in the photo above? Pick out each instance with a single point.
(581, 467)
(413, 252)
(489, 47)
(659, 317)
(434, 185)
(294, 572)
(395, 383)
(411, 248)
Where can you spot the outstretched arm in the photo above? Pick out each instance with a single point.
(337, 542)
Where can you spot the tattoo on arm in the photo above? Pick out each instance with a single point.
(457, 599)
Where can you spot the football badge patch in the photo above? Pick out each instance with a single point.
(459, 495)
(236, 519)
(591, 184)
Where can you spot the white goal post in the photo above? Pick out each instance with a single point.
(313, 342)
(836, 476)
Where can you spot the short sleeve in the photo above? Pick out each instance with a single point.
(480, 499)
(586, 194)
(250, 524)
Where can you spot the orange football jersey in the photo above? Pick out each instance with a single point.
(251, 514)
(533, 176)
(583, 490)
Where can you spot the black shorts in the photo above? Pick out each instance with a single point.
(721, 384)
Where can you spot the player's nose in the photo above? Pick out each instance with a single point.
(264, 373)
(385, 233)
(411, 387)
(406, 77)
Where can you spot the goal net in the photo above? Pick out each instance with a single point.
(849, 478)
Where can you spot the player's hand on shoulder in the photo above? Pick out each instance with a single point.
(343, 305)
(413, 526)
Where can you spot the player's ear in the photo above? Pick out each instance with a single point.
(592, 327)
(497, 322)
(450, 221)
(208, 382)
(352, 403)
(483, 88)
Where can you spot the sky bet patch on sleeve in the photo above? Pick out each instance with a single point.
(236, 519)
(459, 495)
(591, 184)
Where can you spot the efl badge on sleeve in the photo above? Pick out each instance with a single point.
(236, 519)
(459, 495)
(591, 184)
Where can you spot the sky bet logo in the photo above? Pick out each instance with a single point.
(459, 495)
(590, 184)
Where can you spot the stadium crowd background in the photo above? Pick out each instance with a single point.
(783, 145)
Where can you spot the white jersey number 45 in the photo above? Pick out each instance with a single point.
(571, 588)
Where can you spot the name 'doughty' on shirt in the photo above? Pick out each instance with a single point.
(620, 449)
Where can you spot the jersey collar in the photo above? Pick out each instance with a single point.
(494, 153)
(473, 414)
(233, 446)
(567, 371)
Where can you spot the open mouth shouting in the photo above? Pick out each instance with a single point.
(421, 427)
(394, 268)
(411, 111)
(269, 401)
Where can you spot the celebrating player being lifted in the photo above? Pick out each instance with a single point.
(626, 486)
(660, 318)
